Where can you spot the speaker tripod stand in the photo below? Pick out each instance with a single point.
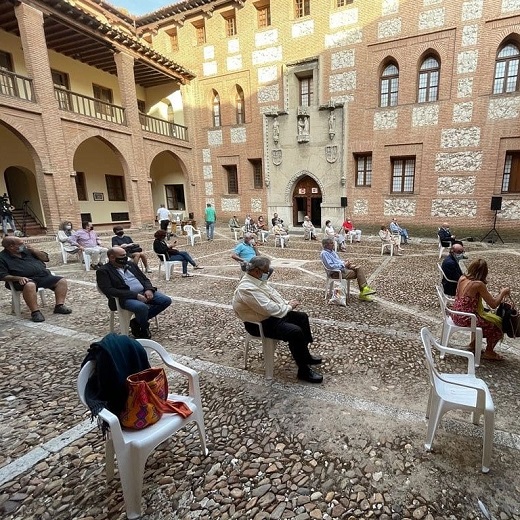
(493, 230)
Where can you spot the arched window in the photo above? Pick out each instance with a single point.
(506, 69)
(216, 109)
(240, 105)
(429, 80)
(389, 86)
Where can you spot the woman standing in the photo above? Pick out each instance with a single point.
(161, 247)
(471, 293)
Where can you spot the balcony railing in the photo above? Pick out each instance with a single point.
(14, 85)
(159, 126)
(87, 106)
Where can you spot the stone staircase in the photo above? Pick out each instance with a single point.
(32, 226)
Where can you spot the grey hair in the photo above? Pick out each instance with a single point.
(258, 262)
(249, 235)
(327, 240)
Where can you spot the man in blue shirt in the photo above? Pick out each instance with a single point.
(396, 228)
(245, 250)
(332, 261)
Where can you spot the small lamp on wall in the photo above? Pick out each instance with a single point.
(343, 180)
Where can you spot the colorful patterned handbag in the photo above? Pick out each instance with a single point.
(148, 400)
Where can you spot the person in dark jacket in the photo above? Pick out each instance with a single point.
(446, 237)
(122, 279)
(161, 247)
(451, 269)
(133, 250)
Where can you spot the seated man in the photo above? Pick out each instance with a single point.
(87, 240)
(245, 250)
(446, 238)
(279, 231)
(24, 266)
(308, 228)
(349, 229)
(451, 269)
(256, 300)
(122, 279)
(133, 250)
(233, 223)
(332, 261)
(397, 229)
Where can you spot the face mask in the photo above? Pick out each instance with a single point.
(264, 277)
(120, 233)
(121, 261)
(22, 249)
(68, 228)
(459, 256)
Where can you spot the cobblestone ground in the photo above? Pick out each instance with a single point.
(349, 448)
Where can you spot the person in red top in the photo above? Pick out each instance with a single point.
(350, 230)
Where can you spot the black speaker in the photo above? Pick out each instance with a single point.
(344, 203)
(496, 203)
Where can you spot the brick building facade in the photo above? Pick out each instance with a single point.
(397, 107)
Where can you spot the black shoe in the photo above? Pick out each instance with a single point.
(135, 328)
(314, 360)
(61, 309)
(37, 316)
(309, 375)
(145, 333)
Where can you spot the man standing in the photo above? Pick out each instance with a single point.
(122, 279)
(88, 241)
(332, 261)
(451, 269)
(6, 210)
(24, 267)
(163, 217)
(255, 300)
(245, 250)
(210, 217)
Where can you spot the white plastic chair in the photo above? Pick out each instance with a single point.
(132, 447)
(449, 299)
(457, 392)
(263, 235)
(236, 232)
(449, 327)
(280, 240)
(385, 244)
(87, 259)
(441, 247)
(192, 234)
(65, 254)
(169, 265)
(268, 347)
(16, 307)
(335, 275)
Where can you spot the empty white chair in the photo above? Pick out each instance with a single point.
(169, 265)
(335, 275)
(132, 447)
(268, 348)
(237, 232)
(457, 392)
(16, 307)
(449, 327)
(192, 234)
(281, 240)
(441, 247)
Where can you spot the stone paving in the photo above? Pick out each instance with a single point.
(349, 448)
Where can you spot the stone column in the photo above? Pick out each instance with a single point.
(137, 180)
(56, 204)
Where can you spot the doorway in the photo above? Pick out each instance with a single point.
(307, 201)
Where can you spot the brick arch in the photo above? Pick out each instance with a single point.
(184, 169)
(289, 188)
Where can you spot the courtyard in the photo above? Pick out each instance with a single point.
(349, 448)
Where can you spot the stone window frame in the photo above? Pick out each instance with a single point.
(429, 78)
(403, 177)
(263, 13)
(342, 3)
(305, 89)
(511, 172)
(200, 32)
(239, 102)
(504, 62)
(362, 160)
(232, 179)
(216, 113)
(302, 8)
(391, 82)
(230, 23)
(173, 37)
(115, 187)
(258, 176)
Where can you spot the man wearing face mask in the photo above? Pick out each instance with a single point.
(87, 240)
(451, 269)
(255, 300)
(133, 250)
(122, 279)
(24, 266)
(245, 250)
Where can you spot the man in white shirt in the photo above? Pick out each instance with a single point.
(163, 216)
(255, 300)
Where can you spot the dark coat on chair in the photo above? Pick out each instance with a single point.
(445, 237)
(113, 286)
(451, 268)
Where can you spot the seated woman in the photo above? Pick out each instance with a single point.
(161, 247)
(389, 238)
(339, 238)
(279, 231)
(308, 229)
(133, 251)
(64, 233)
(471, 292)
